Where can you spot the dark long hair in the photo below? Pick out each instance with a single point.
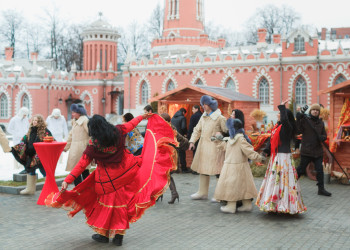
(105, 133)
(293, 124)
(239, 115)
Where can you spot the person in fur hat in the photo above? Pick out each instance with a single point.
(236, 182)
(78, 139)
(208, 160)
(314, 133)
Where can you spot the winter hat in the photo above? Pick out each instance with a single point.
(234, 126)
(56, 113)
(78, 108)
(210, 101)
(315, 106)
(23, 111)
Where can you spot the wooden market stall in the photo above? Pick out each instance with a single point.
(187, 96)
(339, 124)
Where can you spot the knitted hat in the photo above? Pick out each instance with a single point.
(56, 112)
(78, 108)
(315, 106)
(210, 101)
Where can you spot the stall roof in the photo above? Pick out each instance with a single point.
(224, 94)
(335, 87)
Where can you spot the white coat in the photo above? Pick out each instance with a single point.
(18, 127)
(58, 127)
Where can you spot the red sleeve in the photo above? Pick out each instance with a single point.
(78, 169)
(129, 126)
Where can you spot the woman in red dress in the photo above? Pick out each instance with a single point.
(123, 186)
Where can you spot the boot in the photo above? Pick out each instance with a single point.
(118, 239)
(246, 207)
(31, 185)
(322, 191)
(100, 238)
(174, 194)
(213, 200)
(160, 198)
(229, 208)
(202, 193)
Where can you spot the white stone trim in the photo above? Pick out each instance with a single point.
(9, 102)
(256, 81)
(198, 76)
(94, 91)
(18, 99)
(340, 70)
(291, 85)
(166, 80)
(91, 101)
(138, 89)
(229, 74)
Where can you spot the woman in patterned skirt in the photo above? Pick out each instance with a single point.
(280, 191)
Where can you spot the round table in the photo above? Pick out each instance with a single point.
(48, 153)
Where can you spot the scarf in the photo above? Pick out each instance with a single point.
(275, 139)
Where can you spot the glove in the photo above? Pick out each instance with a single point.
(300, 115)
(322, 138)
(263, 159)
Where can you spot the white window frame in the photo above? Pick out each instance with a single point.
(300, 92)
(264, 91)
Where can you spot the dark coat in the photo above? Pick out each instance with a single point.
(179, 122)
(285, 133)
(311, 144)
(193, 122)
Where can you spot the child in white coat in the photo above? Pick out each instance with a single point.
(236, 182)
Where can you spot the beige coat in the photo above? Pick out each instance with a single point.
(236, 181)
(4, 142)
(208, 158)
(77, 141)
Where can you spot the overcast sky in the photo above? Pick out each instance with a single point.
(229, 13)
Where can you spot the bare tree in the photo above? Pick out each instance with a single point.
(70, 48)
(133, 40)
(34, 38)
(54, 30)
(155, 24)
(10, 28)
(275, 20)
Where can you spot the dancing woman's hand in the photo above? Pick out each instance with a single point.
(147, 115)
(64, 185)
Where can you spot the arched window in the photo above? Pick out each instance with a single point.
(170, 86)
(4, 106)
(300, 92)
(299, 44)
(199, 82)
(264, 91)
(144, 93)
(230, 84)
(339, 79)
(25, 101)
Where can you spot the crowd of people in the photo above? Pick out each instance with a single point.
(133, 167)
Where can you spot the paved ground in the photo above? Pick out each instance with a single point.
(186, 225)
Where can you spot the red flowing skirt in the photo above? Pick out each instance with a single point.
(110, 214)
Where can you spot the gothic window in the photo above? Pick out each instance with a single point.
(299, 44)
(144, 93)
(170, 86)
(230, 84)
(300, 92)
(199, 82)
(4, 107)
(25, 101)
(339, 79)
(173, 9)
(264, 91)
(199, 9)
